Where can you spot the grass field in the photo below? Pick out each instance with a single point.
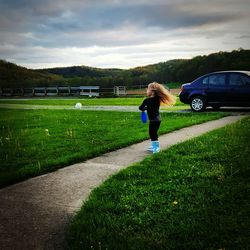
(85, 102)
(33, 142)
(193, 196)
(174, 85)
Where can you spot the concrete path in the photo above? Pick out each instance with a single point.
(35, 213)
(89, 107)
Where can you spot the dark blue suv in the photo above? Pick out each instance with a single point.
(224, 88)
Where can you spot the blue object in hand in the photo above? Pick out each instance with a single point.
(144, 117)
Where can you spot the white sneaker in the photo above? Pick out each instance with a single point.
(150, 148)
(156, 147)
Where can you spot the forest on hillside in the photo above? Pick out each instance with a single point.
(180, 70)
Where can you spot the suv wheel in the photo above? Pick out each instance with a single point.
(197, 104)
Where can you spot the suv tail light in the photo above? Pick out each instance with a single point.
(181, 88)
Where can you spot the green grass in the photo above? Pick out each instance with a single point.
(85, 102)
(33, 142)
(174, 85)
(193, 196)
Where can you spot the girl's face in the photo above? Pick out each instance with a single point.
(149, 92)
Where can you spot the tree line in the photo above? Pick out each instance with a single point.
(180, 70)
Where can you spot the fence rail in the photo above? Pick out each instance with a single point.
(90, 91)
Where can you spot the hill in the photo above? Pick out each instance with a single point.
(165, 72)
(12, 75)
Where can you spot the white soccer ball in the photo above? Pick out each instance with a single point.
(78, 105)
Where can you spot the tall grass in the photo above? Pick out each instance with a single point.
(33, 142)
(193, 196)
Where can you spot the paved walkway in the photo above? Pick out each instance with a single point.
(181, 109)
(35, 213)
(89, 107)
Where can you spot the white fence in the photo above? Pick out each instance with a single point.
(51, 91)
(90, 91)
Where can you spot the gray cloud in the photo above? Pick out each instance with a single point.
(58, 24)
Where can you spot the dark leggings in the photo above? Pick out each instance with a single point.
(153, 130)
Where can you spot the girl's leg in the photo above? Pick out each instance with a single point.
(153, 130)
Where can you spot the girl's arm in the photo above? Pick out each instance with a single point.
(143, 106)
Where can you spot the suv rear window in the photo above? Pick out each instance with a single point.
(215, 80)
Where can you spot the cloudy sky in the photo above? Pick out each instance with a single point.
(121, 34)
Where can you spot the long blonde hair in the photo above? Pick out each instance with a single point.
(164, 95)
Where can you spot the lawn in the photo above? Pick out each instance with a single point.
(34, 142)
(194, 195)
(174, 85)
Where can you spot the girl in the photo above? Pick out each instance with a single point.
(157, 95)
